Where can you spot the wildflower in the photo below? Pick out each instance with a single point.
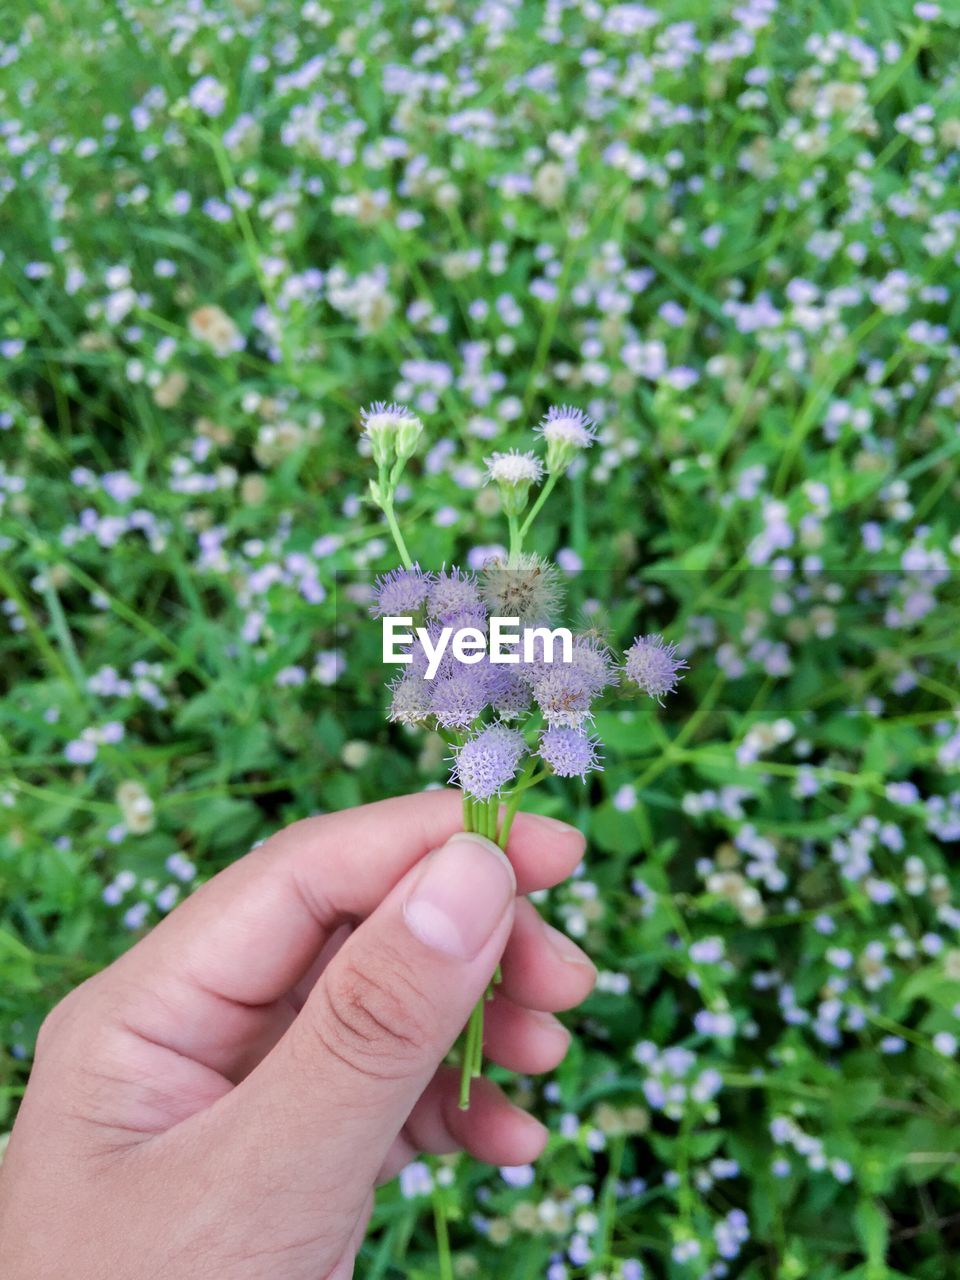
(277, 441)
(550, 184)
(208, 96)
(570, 753)
(563, 694)
(593, 659)
(410, 697)
(459, 697)
(170, 389)
(509, 693)
(415, 1180)
(211, 325)
(653, 665)
(453, 593)
(393, 431)
(80, 751)
(400, 592)
(567, 431)
(530, 591)
(487, 762)
(136, 806)
(513, 473)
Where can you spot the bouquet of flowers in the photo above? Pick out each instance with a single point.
(511, 722)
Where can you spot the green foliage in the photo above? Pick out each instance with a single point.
(730, 243)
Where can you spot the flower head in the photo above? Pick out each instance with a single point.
(570, 753)
(531, 591)
(453, 593)
(513, 473)
(400, 592)
(653, 665)
(592, 658)
(567, 431)
(513, 467)
(509, 693)
(487, 762)
(410, 699)
(211, 324)
(458, 697)
(392, 429)
(563, 694)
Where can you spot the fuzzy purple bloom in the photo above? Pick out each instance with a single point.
(451, 594)
(400, 592)
(563, 694)
(410, 699)
(570, 753)
(509, 694)
(459, 697)
(592, 658)
(487, 762)
(653, 665)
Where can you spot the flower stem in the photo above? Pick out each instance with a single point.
(444, 1256)
(483, 817)
(516, 542)
(534, 511)
(387, 509)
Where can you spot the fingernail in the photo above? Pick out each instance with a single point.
(461, 896)
(566, 950)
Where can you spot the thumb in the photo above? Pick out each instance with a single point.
(339, 1086)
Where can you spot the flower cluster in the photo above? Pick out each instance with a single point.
(511, 723)
(548, 700)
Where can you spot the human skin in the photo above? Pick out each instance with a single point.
(223, 1099)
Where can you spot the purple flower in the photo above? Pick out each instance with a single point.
(410, 699)
(509, 693)
(570, 753)
(452, 593)
(518, 1175)
(485, 763)
(592, 658)
(208, 96)
(563, 694)
(80, 751)
(653, 665)
(400, 593)
(459, 697)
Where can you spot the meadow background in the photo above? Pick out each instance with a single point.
(730, 233)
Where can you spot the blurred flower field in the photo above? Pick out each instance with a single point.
(729, 234)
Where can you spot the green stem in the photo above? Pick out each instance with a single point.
(387, 509)
(528, 778)
(534, 511)
(483, 817)
(516, 542)
(472, 1053)
(444, 1256)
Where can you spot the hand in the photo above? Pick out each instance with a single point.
(222, 1100)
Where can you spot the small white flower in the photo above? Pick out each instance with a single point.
(513, 468)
